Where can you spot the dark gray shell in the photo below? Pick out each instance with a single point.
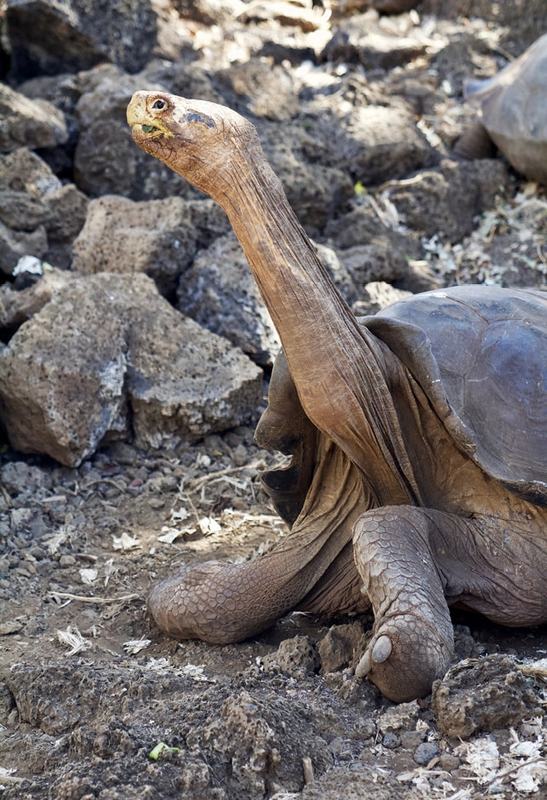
(480, 354)
(513, 109)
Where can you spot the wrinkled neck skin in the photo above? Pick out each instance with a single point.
(338, 369)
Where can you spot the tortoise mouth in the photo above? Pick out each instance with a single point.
(146, 130)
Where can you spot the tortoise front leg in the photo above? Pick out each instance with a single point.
(412, 641)
(414, 562)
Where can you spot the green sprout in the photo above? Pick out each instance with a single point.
(162, 749)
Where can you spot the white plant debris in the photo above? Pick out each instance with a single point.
(208, 525)
(7, 777)
(157, 664)
(169, 535)
(125, 542)
(537, 669)
(517, 226)
(196, 672)
(30, 265)
(109, 570)
(530, 777)
(482, 757)
(179, 514)
(134, 646)
(73, 639)
(173, 531)
(88, 575)
(203, 460)
(53, 543)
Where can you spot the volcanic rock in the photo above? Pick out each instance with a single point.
(446, 201)
(107, 350)
(315, 189)
(483, 694)
(377, 295)
(14, 245)
(32, 198)
(375, 143)
(338, 648)
(220, 293)
(17, 307)
(49, 37)
(28, 123)
(156, 237)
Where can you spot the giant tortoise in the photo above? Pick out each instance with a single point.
(419, 436)
(512, 113)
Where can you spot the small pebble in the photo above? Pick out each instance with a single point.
(156, 502)
(425, 752)
(449, 762)
(341, 749)
(367, 729)
(67, 561)
(411, 739)
(391, 740)
(240, 455)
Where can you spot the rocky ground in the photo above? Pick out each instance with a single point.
(134, 356)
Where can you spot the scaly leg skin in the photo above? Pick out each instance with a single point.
(223, 603)
(412, 641)
(410, 559)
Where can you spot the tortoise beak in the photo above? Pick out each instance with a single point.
(136, 110)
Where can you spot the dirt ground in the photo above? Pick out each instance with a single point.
(96, 704)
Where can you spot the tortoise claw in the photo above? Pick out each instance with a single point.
(377, 653)
(382, 649)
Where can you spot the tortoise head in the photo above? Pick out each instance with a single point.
(199, 140)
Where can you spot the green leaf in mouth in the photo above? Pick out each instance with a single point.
(149, 128)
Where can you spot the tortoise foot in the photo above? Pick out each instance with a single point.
(412, 640)
(404, 657)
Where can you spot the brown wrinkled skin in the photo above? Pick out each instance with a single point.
(386, 505)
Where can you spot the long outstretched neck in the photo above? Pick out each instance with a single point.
(339, 369)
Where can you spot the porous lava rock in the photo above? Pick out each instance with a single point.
(108, 354)
(483, 694)
(33, 201)
(296, 657)
(220, 293)
(377, 295)
(156, 237)
(209, 12)
(315, 188)
(14, 245)
(18, 306)
(376, 261)
(357, 39)
(50, 36)
(340, 646)
(229, 741)
(447, 200)
(374, 143)
(519, 22)
(28, 123)
(259, 89)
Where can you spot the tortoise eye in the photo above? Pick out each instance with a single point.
(159, 104)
